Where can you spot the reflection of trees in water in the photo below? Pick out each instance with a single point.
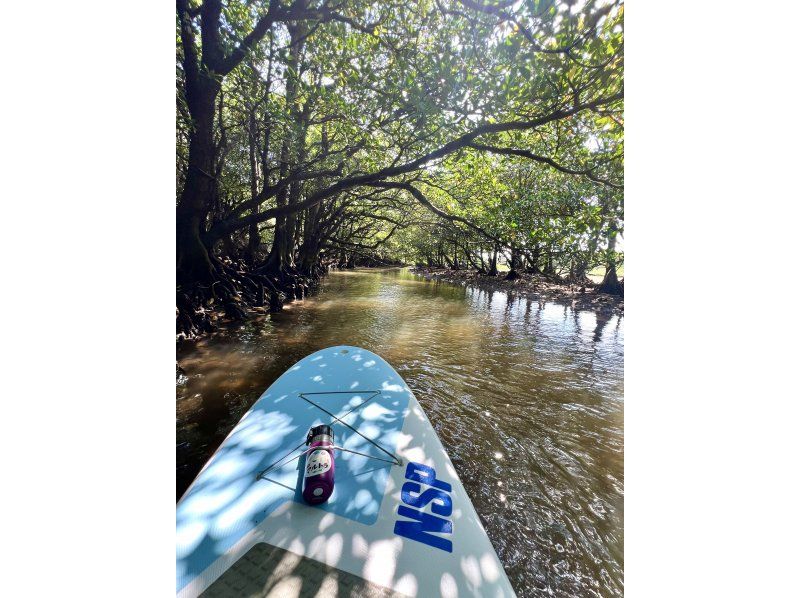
(602, 318)
(616, 328)
(539, 382)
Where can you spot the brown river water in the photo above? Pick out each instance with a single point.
(527, 398)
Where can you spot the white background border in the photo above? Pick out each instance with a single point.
(88, 298)
(88, 258)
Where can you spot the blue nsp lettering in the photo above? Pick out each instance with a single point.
(422, 526)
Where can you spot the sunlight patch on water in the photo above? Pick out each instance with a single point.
(526, 396)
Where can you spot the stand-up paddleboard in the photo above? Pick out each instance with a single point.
(397, 523)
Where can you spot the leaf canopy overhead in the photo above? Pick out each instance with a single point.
(506, 115)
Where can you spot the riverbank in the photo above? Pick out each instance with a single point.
(534, 286)
(246, 292)
(208, 315)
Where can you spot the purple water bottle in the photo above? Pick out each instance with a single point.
(318, 479)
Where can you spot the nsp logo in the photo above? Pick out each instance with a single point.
(423, 525)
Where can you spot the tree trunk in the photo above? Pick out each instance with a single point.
(577, 271)
(549, 267)
(281, 256)
(493, 262)
(533, 261)
(611, 284)
(253, 239)
(515, 265)
(310, 249)
(193, 260)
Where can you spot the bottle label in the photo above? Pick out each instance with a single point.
(318, 462)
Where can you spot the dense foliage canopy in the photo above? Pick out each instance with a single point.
(320, 132)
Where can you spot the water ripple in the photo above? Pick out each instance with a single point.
(525, 395)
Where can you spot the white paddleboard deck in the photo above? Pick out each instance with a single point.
(387, 530)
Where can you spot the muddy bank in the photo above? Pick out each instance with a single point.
(243, 292)
(534, 286)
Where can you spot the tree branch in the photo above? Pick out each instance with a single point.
(508, 151)
(251, 39)
(230, 225)
(417, 194)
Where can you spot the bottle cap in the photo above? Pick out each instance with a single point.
(317, 430)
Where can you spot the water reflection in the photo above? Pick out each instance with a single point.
(538, 383)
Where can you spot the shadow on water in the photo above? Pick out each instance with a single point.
(526, 396)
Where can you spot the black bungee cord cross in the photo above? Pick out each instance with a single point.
(319, 442)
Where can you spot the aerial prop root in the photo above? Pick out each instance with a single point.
(233, 293)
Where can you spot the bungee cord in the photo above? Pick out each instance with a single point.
(283, 460)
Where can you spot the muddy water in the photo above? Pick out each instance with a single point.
(525, 396)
